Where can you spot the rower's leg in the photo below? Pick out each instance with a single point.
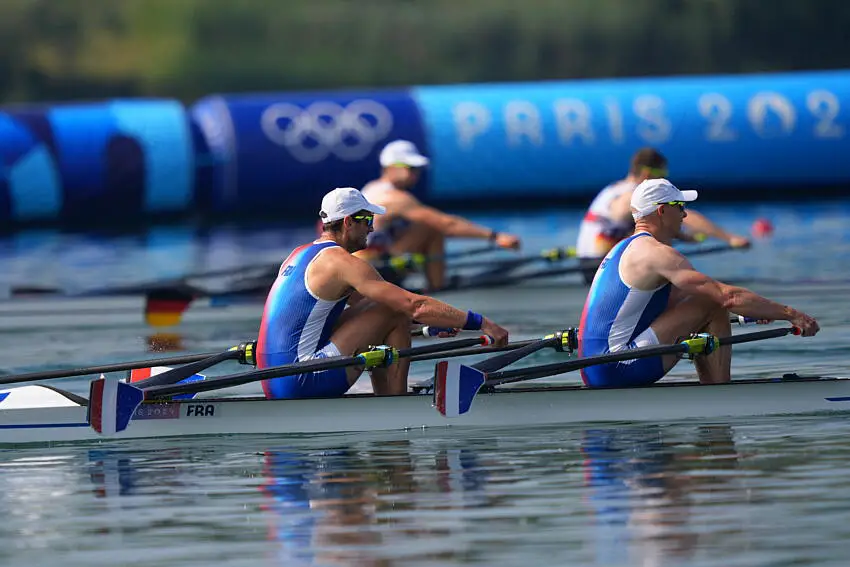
(435, 269)
(393, 380)
(421, 239)
(367, 324)
(690, 314)
(716, 368)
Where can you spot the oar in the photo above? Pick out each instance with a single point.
(457, 384)
(574, 269)
(413, 260)
(165, 305)
(550, 255)
(689, 347)
(112, 403)
(566, 346)
(117, 367)
(486, 280)
(562, 341)
(166, 302)
(244, 353)
(379, 356)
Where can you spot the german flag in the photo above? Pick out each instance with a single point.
(165, 307)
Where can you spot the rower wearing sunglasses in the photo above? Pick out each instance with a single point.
(609, 219)
(306, 318)
(412, 227)
(646, 293)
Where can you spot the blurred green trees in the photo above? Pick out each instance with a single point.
(83, 49)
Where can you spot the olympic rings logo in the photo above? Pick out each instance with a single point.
(326, 128)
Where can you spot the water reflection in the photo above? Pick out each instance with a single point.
(343, 507)
(642, 485)
(597, 496)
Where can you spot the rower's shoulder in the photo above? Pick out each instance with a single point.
(334, 252)
(649, 247)
(384, 194)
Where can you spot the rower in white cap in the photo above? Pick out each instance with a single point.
(305, 316)
(645, 293)
(608, 219)
(411, 227)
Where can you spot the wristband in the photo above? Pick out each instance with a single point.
(493, 236)
(473, 321)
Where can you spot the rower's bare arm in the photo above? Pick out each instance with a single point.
(450, 225)
(366, 281)
(699, 223)
(674, 267)
(453, 225)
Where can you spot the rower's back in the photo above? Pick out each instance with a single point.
(296, 320)
(390, 225)
(616, 313)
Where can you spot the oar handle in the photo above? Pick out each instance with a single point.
(479, 350)
(483, 340)
(759, 335)
(414, 260)
(560, 253)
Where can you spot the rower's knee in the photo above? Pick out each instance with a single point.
(401, 320)
(393, 318)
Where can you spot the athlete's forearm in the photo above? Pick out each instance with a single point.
(750, 304)
(697, 222)
(463, 228)
(430, 311)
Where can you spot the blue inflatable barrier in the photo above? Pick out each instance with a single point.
(556, 139)
(124, 159)
(284, 151)
(280, 152)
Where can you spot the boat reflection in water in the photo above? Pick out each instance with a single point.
(643, 486)
(631, 495)
(343, 507)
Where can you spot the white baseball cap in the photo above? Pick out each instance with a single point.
(404, 153)
(344, 201)
(653, 192)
